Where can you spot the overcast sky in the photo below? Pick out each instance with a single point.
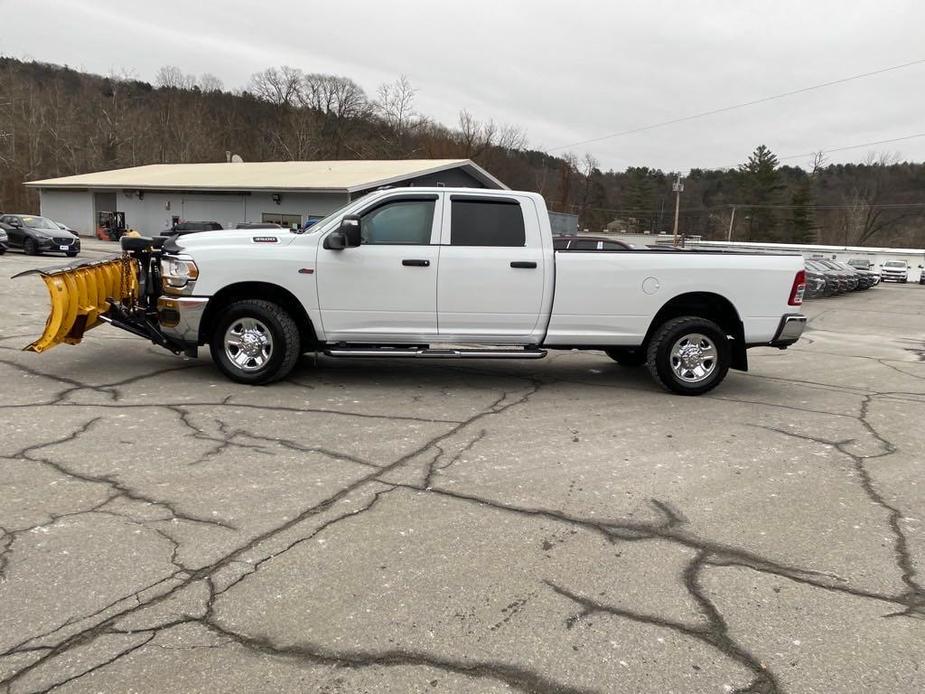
(566, 70)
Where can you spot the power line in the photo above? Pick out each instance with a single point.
(726, 206)
(745, 104)
(820, 151)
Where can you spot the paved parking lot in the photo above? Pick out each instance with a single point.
(391, 526)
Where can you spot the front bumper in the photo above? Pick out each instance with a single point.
(789, 331)
(53, 245)
(179, 317)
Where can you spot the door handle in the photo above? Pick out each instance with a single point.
(415, 262)
(529, 264)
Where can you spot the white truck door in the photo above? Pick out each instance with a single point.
(385, 289)
(490, 287)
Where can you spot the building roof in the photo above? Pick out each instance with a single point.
(315, 176)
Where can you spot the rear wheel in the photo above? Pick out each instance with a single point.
(255, 342)
(689, 355)
(627, 356)
(30, 247)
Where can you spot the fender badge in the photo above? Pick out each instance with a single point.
(265, 239)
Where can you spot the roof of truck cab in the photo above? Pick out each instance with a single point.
(315, 176)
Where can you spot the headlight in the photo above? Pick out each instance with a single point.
(3, 236)
(178, 272)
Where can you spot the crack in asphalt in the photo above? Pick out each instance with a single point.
(714, 632)
(510, 674)
(123, 490)
(913, 598)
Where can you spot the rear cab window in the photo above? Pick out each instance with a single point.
(487, 221)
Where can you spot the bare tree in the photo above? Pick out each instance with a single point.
(395, 106)
(867, 212)
(172, 77)
(210, 83)
(511, 138)
(818, 163)
(476, 137)
(278, 86)
(336, 96)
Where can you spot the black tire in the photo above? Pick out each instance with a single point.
(30, 247)
(661, 362)
(627, 356)
(284, 347)
(71, 254)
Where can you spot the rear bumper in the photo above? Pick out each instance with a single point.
(179, 317)
(789, 331)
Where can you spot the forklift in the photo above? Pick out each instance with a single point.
(110, 226)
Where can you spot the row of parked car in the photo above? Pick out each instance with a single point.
(825, 277)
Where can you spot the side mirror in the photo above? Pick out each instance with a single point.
(336, 241)
(350, 228)
(346, 236)
(16, 223)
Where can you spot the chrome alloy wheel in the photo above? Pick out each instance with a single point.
(248, 344)
(693, 358)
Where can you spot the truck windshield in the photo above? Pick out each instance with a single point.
(895, 263)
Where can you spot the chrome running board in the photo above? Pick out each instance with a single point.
(428, 353)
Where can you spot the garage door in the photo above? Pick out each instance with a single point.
(227, 210)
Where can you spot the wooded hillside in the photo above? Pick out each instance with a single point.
(55, 121)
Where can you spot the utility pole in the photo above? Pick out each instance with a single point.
(677, 188)
(732, 219)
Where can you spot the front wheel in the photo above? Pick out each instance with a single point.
(689, 355)
(30, 247)
(255, 342)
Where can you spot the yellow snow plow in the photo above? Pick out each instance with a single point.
(121, 290)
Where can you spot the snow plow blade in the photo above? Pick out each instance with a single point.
(81, 293)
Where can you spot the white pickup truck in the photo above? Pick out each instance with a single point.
(467, 273)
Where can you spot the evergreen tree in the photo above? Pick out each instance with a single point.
(762, 187)
(802, 226)
(640, 199)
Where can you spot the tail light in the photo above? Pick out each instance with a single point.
(796, 291)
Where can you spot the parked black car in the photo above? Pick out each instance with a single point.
(4, 237)
(866, 278)
(816, 283)
(588, 243)
(191, 228)
(849, 277)
(37, 235)
(835, 282)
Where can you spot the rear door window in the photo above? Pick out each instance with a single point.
(487, 222)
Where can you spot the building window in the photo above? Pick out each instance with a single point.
(290, 221)
(487, 223)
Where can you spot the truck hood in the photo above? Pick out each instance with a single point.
(232, 238)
